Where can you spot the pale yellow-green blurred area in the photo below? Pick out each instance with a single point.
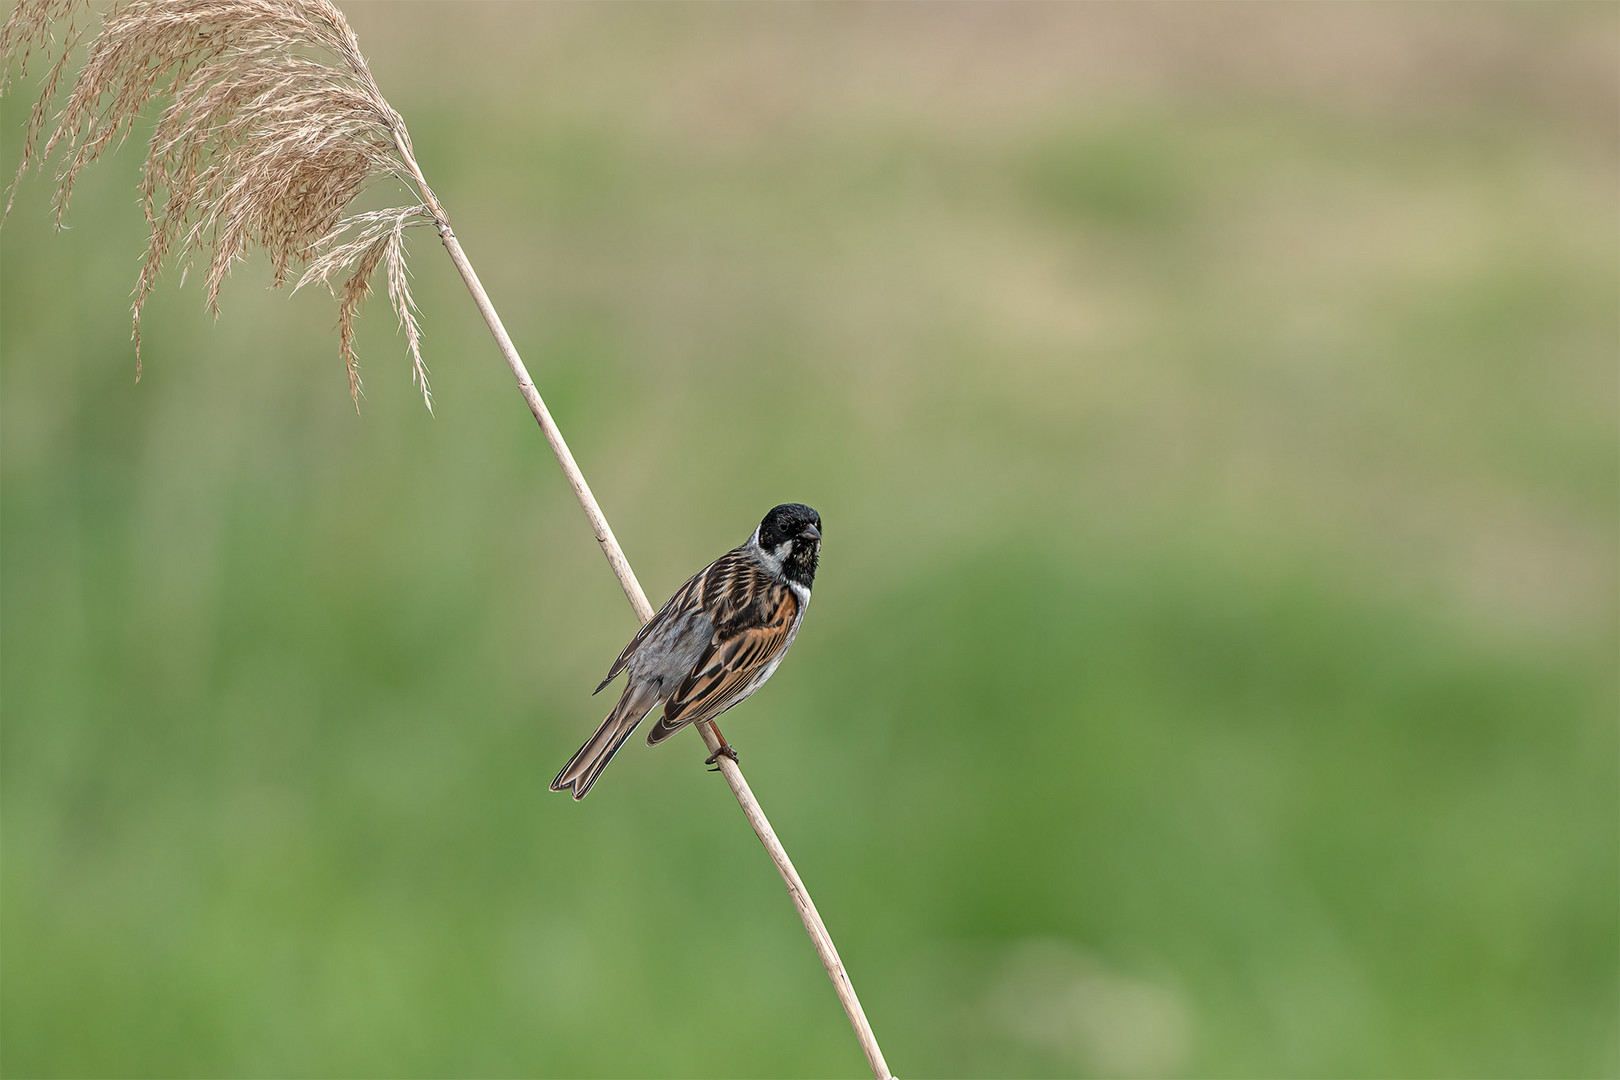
(1213, 664)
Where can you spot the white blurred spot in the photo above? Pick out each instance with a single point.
(1054, 997)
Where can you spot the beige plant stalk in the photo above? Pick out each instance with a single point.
(274, 126)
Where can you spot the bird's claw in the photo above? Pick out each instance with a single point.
(726, 750)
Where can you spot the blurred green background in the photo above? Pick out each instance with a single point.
(1213, 665)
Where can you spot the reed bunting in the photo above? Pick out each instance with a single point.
(717, 640)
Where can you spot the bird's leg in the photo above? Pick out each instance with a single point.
(726, 749)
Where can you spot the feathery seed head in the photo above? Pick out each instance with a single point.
(274, 126)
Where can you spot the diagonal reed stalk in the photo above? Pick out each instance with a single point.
(274, 126)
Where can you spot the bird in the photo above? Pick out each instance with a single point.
(716, 641)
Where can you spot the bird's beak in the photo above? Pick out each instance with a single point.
(812, 532)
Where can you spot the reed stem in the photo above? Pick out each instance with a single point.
(813, 924)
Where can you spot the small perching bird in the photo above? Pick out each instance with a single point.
(713, 644)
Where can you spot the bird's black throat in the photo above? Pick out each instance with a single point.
(800, 565)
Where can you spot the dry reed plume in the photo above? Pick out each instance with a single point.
(274, 126)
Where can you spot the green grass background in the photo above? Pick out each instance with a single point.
(1213, 664)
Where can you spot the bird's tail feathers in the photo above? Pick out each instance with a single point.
(584, 767)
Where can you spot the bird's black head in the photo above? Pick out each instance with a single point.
(792, 533)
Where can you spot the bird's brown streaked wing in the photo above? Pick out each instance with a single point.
(755, 638)
(738, 595)
(686, 596)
